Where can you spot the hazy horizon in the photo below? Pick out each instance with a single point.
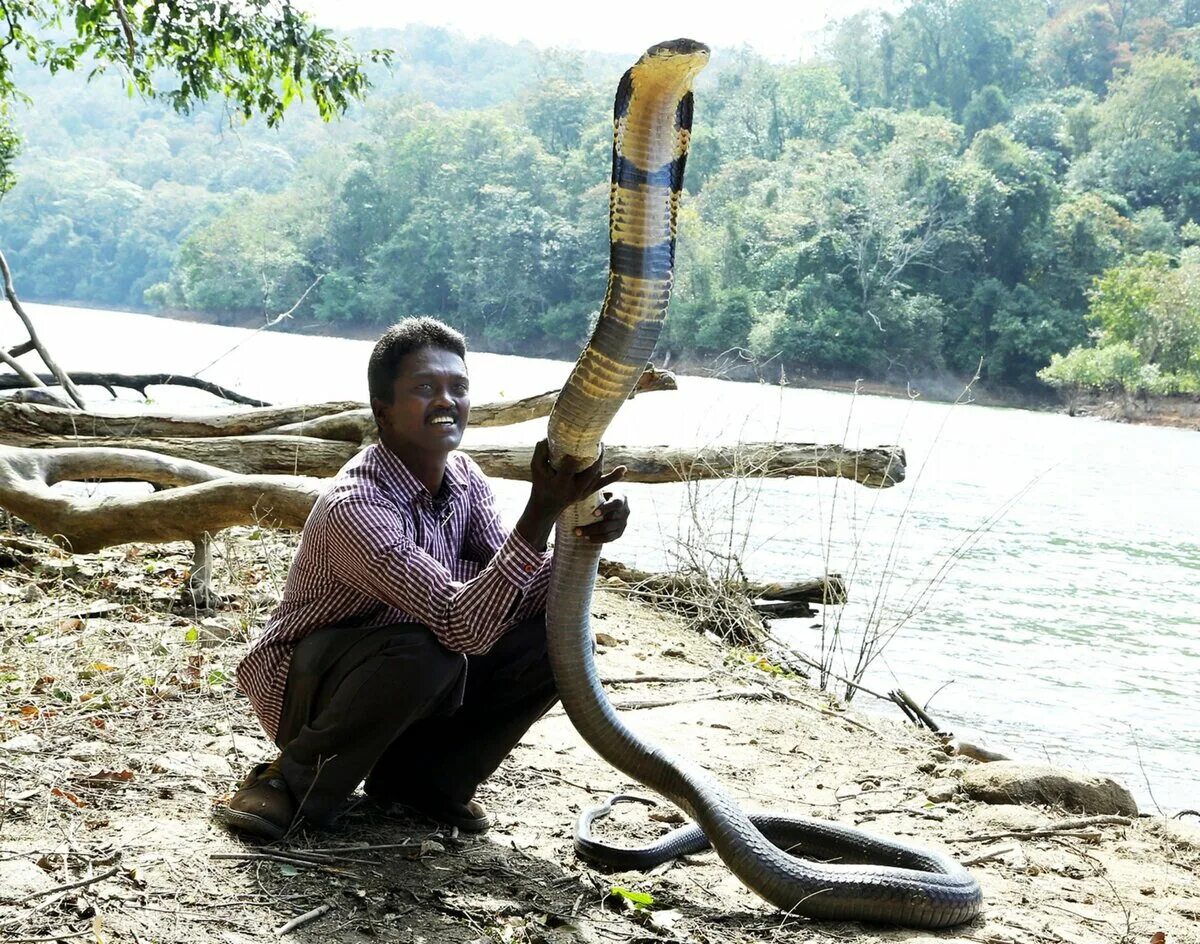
(779, 34)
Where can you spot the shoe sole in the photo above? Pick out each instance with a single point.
(249, 823)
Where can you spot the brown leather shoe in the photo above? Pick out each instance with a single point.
(263, 806)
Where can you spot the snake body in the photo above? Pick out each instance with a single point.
(880, 880)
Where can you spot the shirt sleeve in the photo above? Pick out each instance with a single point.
(487, 534)
(371, 550)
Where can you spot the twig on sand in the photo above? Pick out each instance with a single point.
(70, 886)
(688, 699)
(987, 856)
(277, 857)
(302, 920)
(67, 936)
(1070, 827)
(366, 847)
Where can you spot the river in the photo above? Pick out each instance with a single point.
(1040, 574)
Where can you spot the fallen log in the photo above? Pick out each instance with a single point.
(270, 454)
(138, 382)
(878, 467)
(829, 589)
(196, 499)
(342, 420)
(36, 419)
(241, 455)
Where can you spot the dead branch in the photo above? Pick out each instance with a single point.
(59, 375)
(138, 382)
(749, 695)
(199, 499)
(825, 590)
(880, 467)
(342, 420)
(35, 419)
(270, 454)
(1073, 827)
(243, 455)
(22, 371)
(70, 886)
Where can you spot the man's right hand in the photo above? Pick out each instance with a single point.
(555, 490)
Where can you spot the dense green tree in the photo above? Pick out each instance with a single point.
(947, 187)
(1146, 140)
(988, 107)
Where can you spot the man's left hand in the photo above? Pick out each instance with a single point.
(612, 515)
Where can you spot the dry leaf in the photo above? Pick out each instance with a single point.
(29, 711)
(67, 795)
(72, 625)
(102, 667)
(1158, 938)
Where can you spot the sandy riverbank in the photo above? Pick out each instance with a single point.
(121, 729)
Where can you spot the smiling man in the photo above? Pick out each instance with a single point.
(410, 645)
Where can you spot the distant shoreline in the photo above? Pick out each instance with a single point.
(1180, 411)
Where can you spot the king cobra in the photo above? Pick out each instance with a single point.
(873, 879)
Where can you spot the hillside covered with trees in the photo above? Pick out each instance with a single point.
(962, 180)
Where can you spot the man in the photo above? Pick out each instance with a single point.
(410, 645)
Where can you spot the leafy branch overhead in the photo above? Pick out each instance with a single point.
(260, 55)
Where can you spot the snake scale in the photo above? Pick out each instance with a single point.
(874, 879)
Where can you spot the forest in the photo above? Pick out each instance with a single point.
(1004, 183)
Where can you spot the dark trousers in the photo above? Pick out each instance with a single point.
(393, 706)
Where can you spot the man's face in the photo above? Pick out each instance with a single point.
(430, 403)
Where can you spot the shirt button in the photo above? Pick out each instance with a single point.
(529, 568)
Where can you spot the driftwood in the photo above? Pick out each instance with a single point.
(194, 503)
(303, 455)
(341, 420)
(880, 467)
(58, 375)
(825, 590)
(138, 382)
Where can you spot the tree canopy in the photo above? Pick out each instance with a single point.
(258, 55)
(955, 180)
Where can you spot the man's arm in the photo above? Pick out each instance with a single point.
(370, 550)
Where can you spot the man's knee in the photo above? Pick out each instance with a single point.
(414, 664)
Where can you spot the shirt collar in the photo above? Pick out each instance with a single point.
(453, 481)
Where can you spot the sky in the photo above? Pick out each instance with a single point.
(781, 30)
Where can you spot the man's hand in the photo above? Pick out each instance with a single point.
(555, 490)
(613, 513)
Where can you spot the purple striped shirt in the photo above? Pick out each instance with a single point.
(378, 549)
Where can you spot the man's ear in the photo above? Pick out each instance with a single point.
(377, 407)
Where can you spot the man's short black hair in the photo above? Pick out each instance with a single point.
(405, 336)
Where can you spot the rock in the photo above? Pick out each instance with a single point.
(1011, 782)
(607, 641)
(942, 790)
